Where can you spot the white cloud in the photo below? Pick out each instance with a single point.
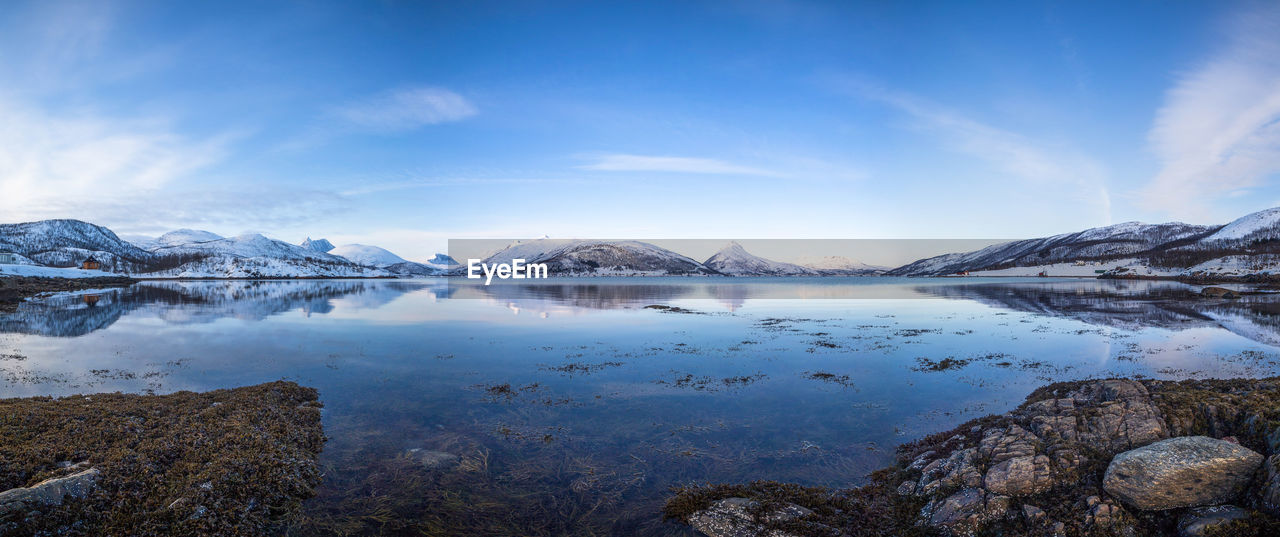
(1219, 129)
(406, 109)
(646, 163)
(47, 158)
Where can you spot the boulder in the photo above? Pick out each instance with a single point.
(1219, 292)
(48, 492)
(1186, 471)
(1197, 522)
(731, 517)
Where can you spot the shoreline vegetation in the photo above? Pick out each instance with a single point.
(1113, 457)
(15, 289)
(226, 462)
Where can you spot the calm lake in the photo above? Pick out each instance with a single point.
(571, 406)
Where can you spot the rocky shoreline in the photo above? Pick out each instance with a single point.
(227, 462)
(15, 289)
(1105, 457)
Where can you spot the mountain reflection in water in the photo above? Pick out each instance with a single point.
(572, 393)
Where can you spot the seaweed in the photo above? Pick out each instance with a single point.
(227, 462)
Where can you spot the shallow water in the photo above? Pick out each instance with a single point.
(573, 407)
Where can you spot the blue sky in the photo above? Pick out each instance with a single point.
(404, 124)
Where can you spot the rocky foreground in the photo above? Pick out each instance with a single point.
(1107, 457)
(227, 462)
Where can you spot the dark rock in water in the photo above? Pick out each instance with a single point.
(1197, 522)
(48, 492)
(1219, 292)
(432, 459)
(731, 517)
(1186, 471)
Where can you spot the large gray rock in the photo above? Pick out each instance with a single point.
(48, 492)
(731, 517)
(1186, 471)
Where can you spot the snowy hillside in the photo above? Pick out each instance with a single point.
(248, 256)
(1130, 239)
(834, 265)
(66, 243)
(600, 258)
(734, 260)
(363, 254)
(1259, 225)
(48, 272)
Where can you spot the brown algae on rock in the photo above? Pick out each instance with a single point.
(226, 462)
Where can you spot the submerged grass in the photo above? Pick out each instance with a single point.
(227, 462)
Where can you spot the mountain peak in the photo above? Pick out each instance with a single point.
(734, 260)
(443, 259)
(318, 245)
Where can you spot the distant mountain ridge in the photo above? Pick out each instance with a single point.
(600, 258)
(188, 253)
(833, 265)
(1247, 246)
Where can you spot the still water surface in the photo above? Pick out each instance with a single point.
(572, 406)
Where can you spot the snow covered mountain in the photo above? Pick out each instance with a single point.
(1127, 240)
(319, 245)
(65, 243)
(834, 265)
(734, 260)
(200, 254)
(600, 258)
(364, 254)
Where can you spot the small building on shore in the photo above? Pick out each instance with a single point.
(8, 258)
(91, 264)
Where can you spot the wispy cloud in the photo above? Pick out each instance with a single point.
(1014, 153)
(406, 109)
(47, 157)
(1219, 129)
(649, 163)
(224, 209)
